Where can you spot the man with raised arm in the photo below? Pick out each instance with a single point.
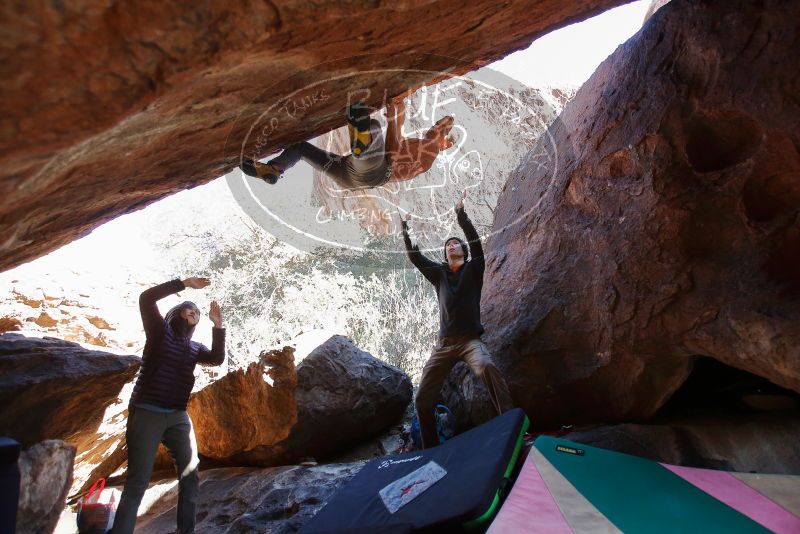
(373, 161)
(458, 282)
(157, 410)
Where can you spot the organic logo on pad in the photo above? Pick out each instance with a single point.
(570, 450)
(386, 463)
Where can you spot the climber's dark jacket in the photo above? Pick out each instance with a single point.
(169, 358)
(460, 292)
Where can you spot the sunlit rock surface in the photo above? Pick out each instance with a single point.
(74, 305)
(100, 453)
(247, 409)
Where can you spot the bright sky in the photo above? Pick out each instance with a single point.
(566, 56)
(570, 55)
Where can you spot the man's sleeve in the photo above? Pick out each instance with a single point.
(473, 240)
(216, 355)
(151, 318)
(428, 268)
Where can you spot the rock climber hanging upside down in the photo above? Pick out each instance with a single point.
(374, 160)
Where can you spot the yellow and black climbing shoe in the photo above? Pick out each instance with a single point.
(359, 140)
(358, 126)
(256, 169)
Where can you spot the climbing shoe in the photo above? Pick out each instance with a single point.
(256, 169)
(358, 126)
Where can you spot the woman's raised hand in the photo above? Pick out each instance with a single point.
(197, 282)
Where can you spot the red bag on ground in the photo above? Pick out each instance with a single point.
(96, 510)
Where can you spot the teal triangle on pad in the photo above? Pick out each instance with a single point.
(640, 495)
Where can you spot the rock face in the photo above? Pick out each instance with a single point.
(242, 411)
(9, 324)
(51, 388)
(274, 500)
(467, 398)
(148, 98)
(661, 223)
(766, 444)
(45, 477)
(339, 397)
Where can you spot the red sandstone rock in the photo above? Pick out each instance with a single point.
(242, 411)
(9, 324)
(338, 397)
(107, 107)
(664, 223)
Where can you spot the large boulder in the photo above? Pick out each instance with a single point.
(242, 411)
(344, 396)
(148, 96)
(45, 477)
(656, 222)
(55, 389)
(338, 397)
(276, 500)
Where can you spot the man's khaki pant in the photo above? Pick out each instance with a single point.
(448, 351)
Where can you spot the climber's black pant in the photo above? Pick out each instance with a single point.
(370, 169)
